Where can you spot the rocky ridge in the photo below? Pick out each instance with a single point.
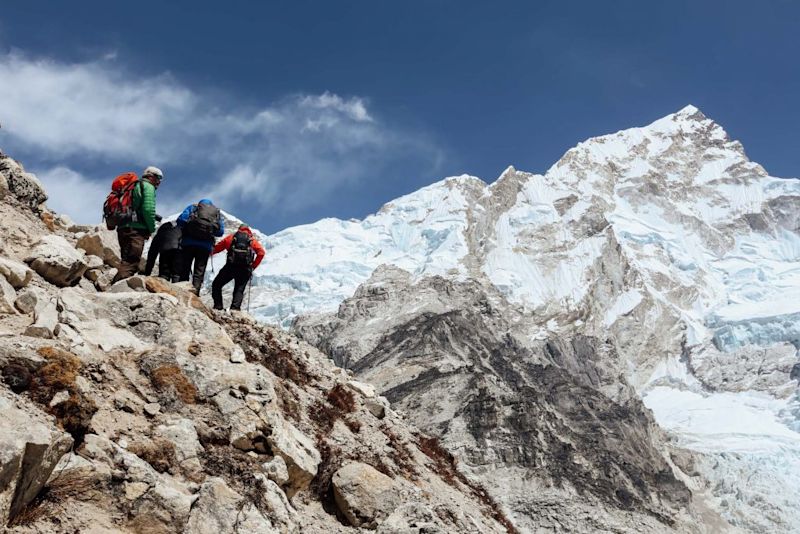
(133, 408)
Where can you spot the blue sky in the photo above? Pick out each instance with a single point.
(287, 112)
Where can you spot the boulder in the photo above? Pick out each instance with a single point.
(92, 263)
(277, 471)
(57, 261)
(220, 509)
(365, 390)
(298, 451)
(25, 186)
(27, 299)
(105, 280)
(102, 243)
(133, 283)
(30, 447)
(377, 407)
(18, 274)
(364, 495)
(7, 298)
(45, 319)
(182, 434)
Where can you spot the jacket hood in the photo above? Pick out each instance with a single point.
(245, 229)
(205, 201)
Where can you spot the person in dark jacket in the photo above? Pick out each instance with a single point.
(165, 246)
(132, 235)
(201, 223)
(244, 255)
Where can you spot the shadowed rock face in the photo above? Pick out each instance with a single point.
(537, 411)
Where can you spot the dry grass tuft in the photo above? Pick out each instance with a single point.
(167, 378)
(53, 499)
(159, 453)
(342, 398)
(400, 454)
(287, 401)
(339, 402)
(59, 374)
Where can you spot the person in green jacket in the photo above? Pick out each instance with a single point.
(133, 234)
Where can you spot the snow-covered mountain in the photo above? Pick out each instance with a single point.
(665, 241)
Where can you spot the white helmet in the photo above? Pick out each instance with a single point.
(153, 171)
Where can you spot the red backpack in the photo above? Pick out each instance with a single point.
(118, 207)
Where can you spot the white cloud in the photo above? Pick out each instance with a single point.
(71, 193)
(291, 153)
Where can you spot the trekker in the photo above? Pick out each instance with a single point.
(133, 233)
(201, 223)
(165, 246)
(244, 255)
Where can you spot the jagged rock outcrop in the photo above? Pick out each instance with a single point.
(184, 420)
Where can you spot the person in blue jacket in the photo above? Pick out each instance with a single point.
(201, 224)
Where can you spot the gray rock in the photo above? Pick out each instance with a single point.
(57, 261)
(364, 495)
(413, 518)
(18, 274)
(102, 243)
(376, 407)
(105, 279)
(152, 409)
(92, 263)
(30, 447)
(220, 509)
(133, 283)
(298, 451)
(28, 298)
(7, 298)
(3, 186)
(237, 355)
(24, 186)
(277, 471)
(45, 320)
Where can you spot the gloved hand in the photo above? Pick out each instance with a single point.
(158, 217)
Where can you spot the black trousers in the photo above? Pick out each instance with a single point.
(198, 256)
(168, 265)
(240, 275)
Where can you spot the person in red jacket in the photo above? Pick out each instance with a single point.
(244, 255)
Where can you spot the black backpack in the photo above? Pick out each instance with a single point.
(241, 250)
(203, 223)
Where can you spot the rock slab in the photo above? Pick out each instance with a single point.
(30, 447)
(364, 495)
(57, 261)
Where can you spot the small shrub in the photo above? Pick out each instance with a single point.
(51, 500)
(168, 378)
(342, 398)
(159, 453)
(400, 454)
(59, 374)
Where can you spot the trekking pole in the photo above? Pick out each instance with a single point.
(249, 289)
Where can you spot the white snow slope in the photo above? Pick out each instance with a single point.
(707, 313)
